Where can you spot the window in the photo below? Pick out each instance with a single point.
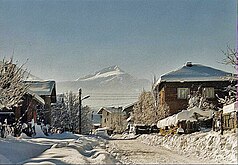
(208, 92)
(183, 93)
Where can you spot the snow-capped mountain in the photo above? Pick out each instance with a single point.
(111, 78)
(113, 71)
(108, 86)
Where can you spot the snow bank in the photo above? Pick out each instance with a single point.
(124, 136)
(68, 148)
(65, 148)
(184, 115)
(64, 135)
(210, 146)
(13, 150)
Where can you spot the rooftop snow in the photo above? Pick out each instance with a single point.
(186, 115)
(230, 108)
(41, 87)
(195, 72)
(109, 109)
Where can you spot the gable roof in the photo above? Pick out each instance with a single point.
(128, 107)
(109, 109)
(195, 72)
(41, 88)
(37, 97)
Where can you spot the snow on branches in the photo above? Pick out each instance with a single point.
(145, 111)
(12, 88)
(231, 56)
(65, 114)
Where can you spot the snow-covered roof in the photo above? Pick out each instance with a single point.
(110, 110)
(194, 72)
(37, 97)
(230, 108)
(185, 115)
(128, 106)
(41, 88)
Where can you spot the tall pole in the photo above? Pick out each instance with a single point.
(80, 105)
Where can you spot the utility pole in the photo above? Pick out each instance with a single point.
(80, 106)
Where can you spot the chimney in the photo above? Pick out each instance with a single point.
(189, 64)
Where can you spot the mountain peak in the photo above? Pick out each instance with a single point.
(106, 72)
(110, 69)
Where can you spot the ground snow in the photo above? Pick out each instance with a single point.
(65, 148)
(210, 147)
(39, 132)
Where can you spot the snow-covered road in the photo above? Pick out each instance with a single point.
(135, 152)
(68, 148)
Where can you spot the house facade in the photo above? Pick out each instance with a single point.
(29, 107)
(175, 87)
(113, 118)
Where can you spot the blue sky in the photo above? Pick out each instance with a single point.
(64, 40)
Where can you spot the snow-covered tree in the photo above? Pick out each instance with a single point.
(145, 111)
(163, 111)
(66, 114)
(197, 99)
(12, 87)
(231, 60)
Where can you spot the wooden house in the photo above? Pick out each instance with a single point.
(174, 88)
(25, 112)
(113, 118)
(29, 108)
(128, 110)
(47, 91)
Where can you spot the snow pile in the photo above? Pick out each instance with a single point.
(65, 148)
(124, 136)
(210, 146)
(187, 115)
(13, 150)
(79, 150)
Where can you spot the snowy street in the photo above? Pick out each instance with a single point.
(68, 148)
(136, 152)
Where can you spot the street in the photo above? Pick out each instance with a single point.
(135, 152)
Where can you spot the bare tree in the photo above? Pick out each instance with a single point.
(12, 87)
(230, 57)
